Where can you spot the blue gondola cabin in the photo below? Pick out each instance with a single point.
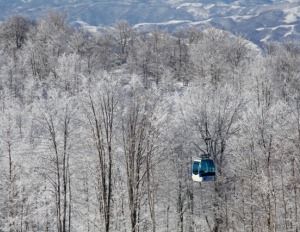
(203, 170)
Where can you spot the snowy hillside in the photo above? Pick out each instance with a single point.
(259, 21)
(99, 130)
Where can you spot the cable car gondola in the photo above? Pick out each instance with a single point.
(203, 169)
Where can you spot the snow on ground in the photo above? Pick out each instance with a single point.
(265, 39)
(189, 5)
(201, 22)
(82, 23)
(209, 6)
(282, 26)
(239, 18)
(291, 31)
(292, 14)
(171, 22)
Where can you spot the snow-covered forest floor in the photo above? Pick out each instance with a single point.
(98, 131)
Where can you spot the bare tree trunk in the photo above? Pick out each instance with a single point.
(150, 191)
(180, 208)
(61, 172)
(295, 192)
(135, 140)
(70, 200)
(101, 123)
(65, 175)
(58, 190)
(10, 189)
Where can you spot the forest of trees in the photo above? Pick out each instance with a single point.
(98, 130)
